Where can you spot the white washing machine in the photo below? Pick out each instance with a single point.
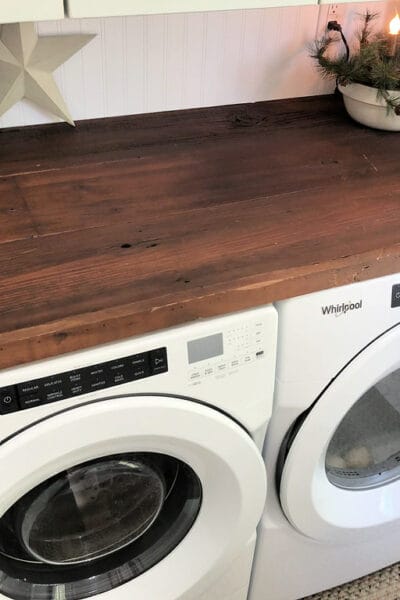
(134, 470)
(333, 445)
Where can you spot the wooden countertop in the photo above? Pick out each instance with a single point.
(133, 224)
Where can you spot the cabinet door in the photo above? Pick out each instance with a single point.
(104, 8)
(15, 11)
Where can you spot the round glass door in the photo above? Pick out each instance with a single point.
(364, 451)
(340, 478)
(96, 525)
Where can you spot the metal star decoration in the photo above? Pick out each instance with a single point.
(27, 63)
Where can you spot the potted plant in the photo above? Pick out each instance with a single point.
(368, 77)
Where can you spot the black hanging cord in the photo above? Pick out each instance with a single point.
(335, 26)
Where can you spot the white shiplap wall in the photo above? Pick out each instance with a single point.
(155, 63)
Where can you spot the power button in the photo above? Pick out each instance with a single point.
(8, 399)
(396, 295)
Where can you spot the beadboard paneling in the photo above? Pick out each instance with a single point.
(164, 62)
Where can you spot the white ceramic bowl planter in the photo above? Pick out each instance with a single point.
(364, 105)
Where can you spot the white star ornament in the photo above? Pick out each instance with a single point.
(27, 63)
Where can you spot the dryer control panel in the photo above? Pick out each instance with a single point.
(223, 353)
(82, 381)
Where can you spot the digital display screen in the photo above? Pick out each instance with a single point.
(204, 348)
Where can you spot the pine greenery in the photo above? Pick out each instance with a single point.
(371, 64)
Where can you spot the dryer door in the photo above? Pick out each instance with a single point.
(154, 492)
(341, 476)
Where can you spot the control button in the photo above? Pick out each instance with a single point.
(208, 371)
(55, 395)
(221, 367)
(119, 377)
(52, 383)
(30, 400)
(195, 375)
(235, 363)
(74, 377)
(139, 360)
(98, 384)
(260, 354)
(8, 399)
(29, 387)
(97, 372)
(77, 389)
(141, 372)
(158, 361)
(396, 295)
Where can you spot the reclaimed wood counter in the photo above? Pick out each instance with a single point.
(134, 224)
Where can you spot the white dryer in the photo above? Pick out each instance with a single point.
(134, 470)
(333, 445)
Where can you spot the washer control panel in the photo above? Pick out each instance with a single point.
(224, 353)
(82, 381)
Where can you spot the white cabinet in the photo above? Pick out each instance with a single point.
(344, 2)
(108, 8)
(15, 11)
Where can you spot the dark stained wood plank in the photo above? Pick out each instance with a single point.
(192, 178)
(15, 219)
(200, 213)
(98, 141)
(50, 147)
(248, 250)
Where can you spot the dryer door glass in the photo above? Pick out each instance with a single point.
(98, 523)
(364, 451)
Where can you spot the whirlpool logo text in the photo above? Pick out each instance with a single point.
(341, 309)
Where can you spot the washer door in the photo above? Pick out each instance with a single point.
(156, 491)
(341, 477)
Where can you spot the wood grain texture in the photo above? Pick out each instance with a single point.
(135, 224)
